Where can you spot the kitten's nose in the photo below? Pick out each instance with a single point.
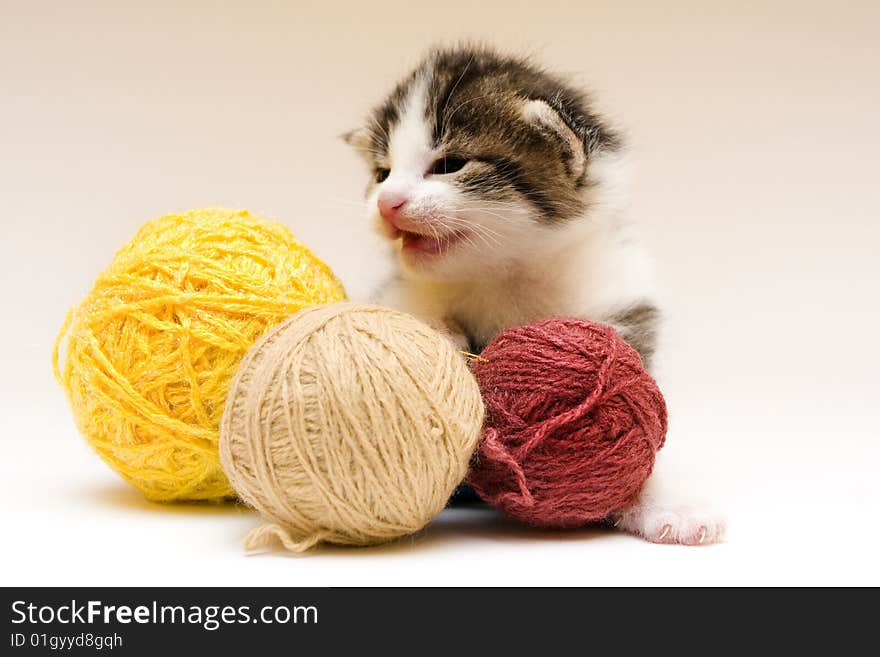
(390, 202)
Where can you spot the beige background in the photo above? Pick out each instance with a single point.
(754, 127)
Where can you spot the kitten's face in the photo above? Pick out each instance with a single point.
(475, 160)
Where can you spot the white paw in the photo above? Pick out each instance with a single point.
(681, 525)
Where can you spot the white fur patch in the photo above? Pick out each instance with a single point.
(410, 147)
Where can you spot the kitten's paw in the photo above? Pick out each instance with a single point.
(679, 525)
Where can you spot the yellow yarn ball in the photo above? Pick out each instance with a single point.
(152, 349)
(349, 424)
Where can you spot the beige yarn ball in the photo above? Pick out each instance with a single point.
(349, 424)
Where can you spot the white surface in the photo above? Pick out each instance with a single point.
(755, 133)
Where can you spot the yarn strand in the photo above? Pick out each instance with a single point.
(264, 535)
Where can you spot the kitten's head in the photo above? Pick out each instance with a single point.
(477, 159)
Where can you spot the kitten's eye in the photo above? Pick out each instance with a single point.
(382, 174)
(448, 164)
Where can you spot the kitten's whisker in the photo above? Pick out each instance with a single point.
(386, 138)
(449, 97)
(462, 222)
(456, 224)
(494, 214)
(485, 233)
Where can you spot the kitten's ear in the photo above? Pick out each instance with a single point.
(358, 138)
(539, 114)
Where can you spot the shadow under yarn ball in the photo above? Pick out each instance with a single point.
(349, 424)
(573, 422)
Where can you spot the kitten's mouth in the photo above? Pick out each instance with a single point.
(427, 244)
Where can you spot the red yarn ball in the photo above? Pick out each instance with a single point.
(573, 421)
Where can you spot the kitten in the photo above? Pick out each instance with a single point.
(504, 193)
